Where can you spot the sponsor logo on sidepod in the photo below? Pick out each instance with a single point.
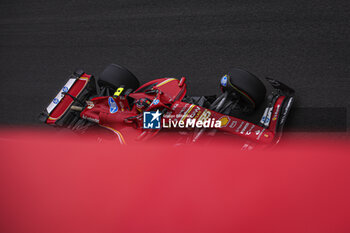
(155, 102)
(113, 107)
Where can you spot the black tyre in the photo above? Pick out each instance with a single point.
(249, 87)
(115, 76)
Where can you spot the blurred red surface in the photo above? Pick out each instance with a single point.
(51, 184)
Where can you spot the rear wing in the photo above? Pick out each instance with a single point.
(79, 87)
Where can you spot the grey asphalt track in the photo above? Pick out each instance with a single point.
(304, 44)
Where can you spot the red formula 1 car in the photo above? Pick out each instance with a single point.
(116, 101)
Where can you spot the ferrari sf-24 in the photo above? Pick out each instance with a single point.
(247, 107)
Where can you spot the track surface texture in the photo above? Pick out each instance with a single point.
(304, 44)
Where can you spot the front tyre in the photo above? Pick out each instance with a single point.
(246, 85)
(114, 76)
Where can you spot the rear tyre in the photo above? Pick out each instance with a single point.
(114, 76)
(246, 85)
